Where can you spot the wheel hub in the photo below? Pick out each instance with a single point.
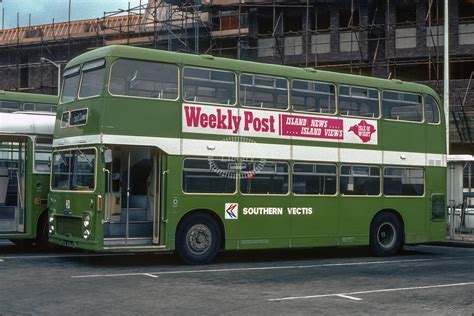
(199, 238)
(386, 235)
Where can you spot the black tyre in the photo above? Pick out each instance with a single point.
(24, 244)
(386, 235)
(198, 239)
(42, 233)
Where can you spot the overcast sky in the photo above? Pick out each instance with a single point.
(43, 11)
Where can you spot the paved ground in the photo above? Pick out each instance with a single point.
(421, 280)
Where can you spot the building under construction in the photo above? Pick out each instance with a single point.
(384, 38)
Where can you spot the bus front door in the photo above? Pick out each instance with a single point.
(132, 200)
(12, 186)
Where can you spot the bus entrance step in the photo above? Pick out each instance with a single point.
(140, 243)
(8, 226)
(134, 214)
(135, 229)
(7, 213)
(135, 201)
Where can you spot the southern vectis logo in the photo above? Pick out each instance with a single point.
(363, 130)
(231, 210)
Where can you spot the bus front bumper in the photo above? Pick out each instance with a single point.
(74, 242)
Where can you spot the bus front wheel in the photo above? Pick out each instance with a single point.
(23, 243)
(42, 232)
(198, 239)
(386, 235)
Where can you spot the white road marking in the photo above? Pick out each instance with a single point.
(151, 275)
(372, 291)
(313, 266)
(1, 260)
(349, 297)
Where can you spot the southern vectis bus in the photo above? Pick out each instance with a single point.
(11, 101)
(25, 149)
(158, 150)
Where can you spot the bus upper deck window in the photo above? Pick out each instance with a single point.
(209, 86)
(315, 97)
(358, 101)
(263, 91)
(71, 84)
(402, 106)
(45, 107)
(431, 110)
(28, 106)
(144, 79)
(92, 78)
(10, 106)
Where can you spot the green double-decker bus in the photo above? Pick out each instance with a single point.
(158, 150)
(26, 136)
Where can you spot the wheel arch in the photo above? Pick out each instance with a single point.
(41, 218)
(211, 214)
(396, 214)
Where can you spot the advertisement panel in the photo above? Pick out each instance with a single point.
(205, 119)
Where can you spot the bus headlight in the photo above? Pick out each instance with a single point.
(87, 234)
(87, 221)
(51, 224)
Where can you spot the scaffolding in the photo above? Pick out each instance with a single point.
(389, 39)
(156, 24)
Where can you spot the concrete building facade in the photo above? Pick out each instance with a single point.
(384, 38)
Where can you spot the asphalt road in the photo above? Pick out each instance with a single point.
(421, 280)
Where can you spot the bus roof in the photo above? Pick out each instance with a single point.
(28, 97)
(248, 66)
(27, 123)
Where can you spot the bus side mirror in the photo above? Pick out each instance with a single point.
(108, 155)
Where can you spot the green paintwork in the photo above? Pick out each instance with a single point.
(36, 184)
(28, 97)
(335, 220)
(36, 187)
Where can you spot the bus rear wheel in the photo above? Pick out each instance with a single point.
(386, 235)
(198, 239)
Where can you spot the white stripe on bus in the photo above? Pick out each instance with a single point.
(206, 148)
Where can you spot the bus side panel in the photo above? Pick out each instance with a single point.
(413, 214)
(402, 136)
(356, 214)
(264, 222)
(320, 228)
(436, 179)
(179, 204)
(37, 190)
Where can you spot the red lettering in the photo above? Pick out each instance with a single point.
(248, 119)
(272, 124)
(204, 119)
(192, 116)
(236, 121)
(265, 125)
(212, 121)
(221, 120)
(257, 124)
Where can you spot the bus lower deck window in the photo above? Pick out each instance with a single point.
(360, 180)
